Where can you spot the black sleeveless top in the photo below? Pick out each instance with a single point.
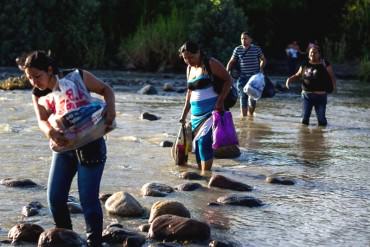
(315, 77)
(39, 93)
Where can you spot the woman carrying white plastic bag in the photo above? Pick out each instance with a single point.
(88, 161)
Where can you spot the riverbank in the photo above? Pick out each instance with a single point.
(273, 68)
(341, 71)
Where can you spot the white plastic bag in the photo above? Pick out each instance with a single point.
(254, 86)
(75, 113)
(82, 126)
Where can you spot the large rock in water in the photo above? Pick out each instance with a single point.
(116, 234)
(188, 186)
(227, 183)
(156, 189)
(58, 237)
(148, 89)
(149, 116)
(13, 182)
(25, 232)
(31, 209)
(168, 207)
(277, 179)
(240, 200)
(124, 204)
(15, 82)
(191, 176)
(172, 227)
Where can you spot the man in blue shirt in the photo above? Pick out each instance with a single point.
(251, 61)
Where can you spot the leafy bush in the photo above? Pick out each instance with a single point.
(154, 46)
(216, 26)
(69, 30)
(365, 69)
(335, 51)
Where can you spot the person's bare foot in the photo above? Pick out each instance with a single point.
(251, 111)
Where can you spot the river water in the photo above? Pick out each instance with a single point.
(328, 206)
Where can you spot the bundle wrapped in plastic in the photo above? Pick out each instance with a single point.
(81, 126)
(75, 113)
(254, 86)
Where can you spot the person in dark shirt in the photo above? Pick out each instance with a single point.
(317, 80)
(87, 161)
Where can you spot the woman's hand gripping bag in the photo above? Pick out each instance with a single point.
(180, 150)
(225, 141)
(80, 117)
(82, 126)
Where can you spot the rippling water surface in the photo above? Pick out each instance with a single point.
(328, 206)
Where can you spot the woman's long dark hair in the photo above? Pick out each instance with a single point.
(37, 59)
(192, 47)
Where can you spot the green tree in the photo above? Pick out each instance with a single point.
(216, 26)
(67, 28)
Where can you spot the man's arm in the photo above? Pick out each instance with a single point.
(263, 62)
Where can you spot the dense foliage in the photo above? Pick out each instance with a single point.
(147, 33)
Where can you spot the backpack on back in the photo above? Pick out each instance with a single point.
(232, 97)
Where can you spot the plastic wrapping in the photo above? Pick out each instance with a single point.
(254, 86)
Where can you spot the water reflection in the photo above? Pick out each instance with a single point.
(216, 218)
(312, 143)
(251, 133)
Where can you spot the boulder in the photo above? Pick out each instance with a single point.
(74, 208)
(227, 183)
(188, 186)
(148, 116)
(166, 144)
(148, 90)
(123, 204)
(103, 197)
(240, 200)
(172, 227)
(13, 182)
(276, 179)
(59, 237)
(115, 234)
(144, 227)
(168, 87)
(31, 209)
(25, 232)
(156, 189)
(191, 176)
(168, 207)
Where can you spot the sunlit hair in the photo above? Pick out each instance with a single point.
(317, 48)
(37, 59)
(191, 47)
(245, 33)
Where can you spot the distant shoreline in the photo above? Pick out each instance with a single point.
(273, 68)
